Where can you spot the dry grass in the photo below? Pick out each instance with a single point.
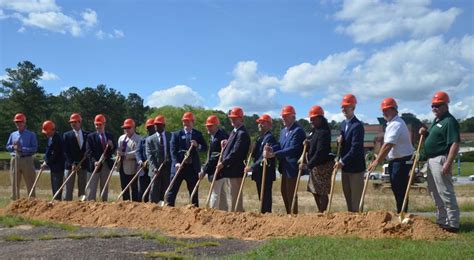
(375, 199)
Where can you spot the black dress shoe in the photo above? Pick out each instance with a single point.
(450, 229)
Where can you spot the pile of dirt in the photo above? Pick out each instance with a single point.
(190, 221)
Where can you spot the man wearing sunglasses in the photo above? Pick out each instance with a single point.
(127, 150)
(441, 146)
(74, 150)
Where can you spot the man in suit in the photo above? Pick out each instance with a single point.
(54, 155)
(292, 137)
(158, 152)
(266, 138)
(144, 179)
(235, 152)
(127, 149)
(352, 159)
(96, 144)
(180, 143)
(218, 194)
(74, 150)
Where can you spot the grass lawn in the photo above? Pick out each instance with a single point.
(467, 168)
(460, 247)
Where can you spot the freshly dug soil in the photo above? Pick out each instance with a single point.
(190, 221)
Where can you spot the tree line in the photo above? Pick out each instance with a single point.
(20, 91)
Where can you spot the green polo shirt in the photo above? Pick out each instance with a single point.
(441, 135)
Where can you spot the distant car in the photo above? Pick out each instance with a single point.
(375, 176)
(471, 177)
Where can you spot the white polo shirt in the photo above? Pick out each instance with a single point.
(397, 133)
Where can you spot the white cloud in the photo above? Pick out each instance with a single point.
(413, 70)
(117, 34)
(253, 91)
(27, 6)
(179, 95)
(47, 15)
(49, 76)
(463, 109)
(376, 21)
(307, 79)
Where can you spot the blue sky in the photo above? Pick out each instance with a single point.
(260, 55)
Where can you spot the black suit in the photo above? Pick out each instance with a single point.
(54, 158)
(95, 149)
(74, 155)
(235, 153)
(213, 153)
(257, 168)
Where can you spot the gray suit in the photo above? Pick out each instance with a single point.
(155, 158)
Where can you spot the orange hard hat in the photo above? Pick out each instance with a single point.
(150, 122)
(19, 117)
(99, 119)
(128, 123)
(349, 100)
(316, 111)
(48, 127)
(159, 119)
(212, 120)
(440, 97)
(236, 112)
(389, 103)
(188, 116)
(266, 118)
(75, 117)
(288, 110)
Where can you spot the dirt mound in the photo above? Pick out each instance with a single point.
(191, 221)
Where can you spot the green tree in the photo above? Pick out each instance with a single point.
(467, 125)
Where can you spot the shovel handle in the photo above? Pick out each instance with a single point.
(243, 177)
(36, 181)
(412, 174)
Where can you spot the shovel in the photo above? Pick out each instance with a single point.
(214, 178)
(366, 183)
(96, 169)
(78, 167)
(132, 180)
(402, 218)
(301, 161)
(151, 182)
(333, 178)
(43, 166)
(262, 189)
(117, 161)
(243, 177)
(181, 166)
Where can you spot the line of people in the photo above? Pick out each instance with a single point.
(171, 158)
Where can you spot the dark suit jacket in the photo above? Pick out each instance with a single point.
(352, 150)
(235, 153)
(179, 146)
(154, 156)
(213, 153)
(95, 150)
(320, 148)
(291, 149)
(257, 155)
(73, 152)
(54, 155)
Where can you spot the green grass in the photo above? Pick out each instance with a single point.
(166, 255)
(79, 236)
(47, 237)
(15, 238)
(12, 221)
(459, 247)
(467, 168)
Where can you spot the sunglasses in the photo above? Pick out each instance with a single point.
(436, 105)
(127, 128)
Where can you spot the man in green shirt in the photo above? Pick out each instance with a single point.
(441, 146)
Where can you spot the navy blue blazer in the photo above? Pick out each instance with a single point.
(72, 151)
(352, 149)
(257, 155)
(235, 153)
(291, 143)
(95, 150)
(213, 153)
(141, 151)
(54, 155)
(179, 146)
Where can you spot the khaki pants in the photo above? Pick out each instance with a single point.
(81, 184)
(352, 185)
(234, 186)
(100, 176)
(442, 191)
(26, 168)
(287, 191)
(219, 195)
